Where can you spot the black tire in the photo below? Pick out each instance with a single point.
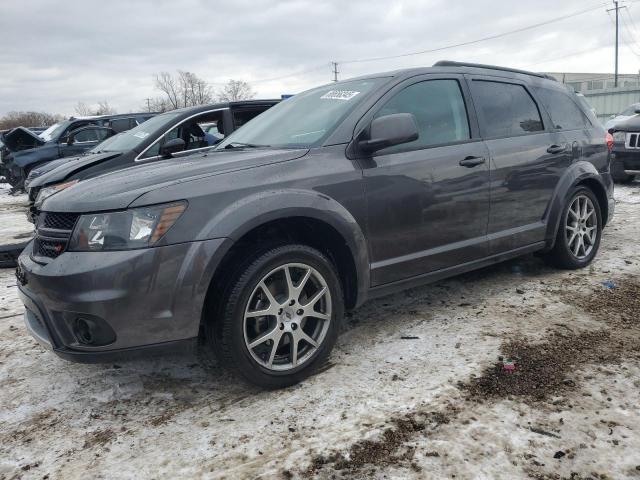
(225, 329)
(618, 175)
(561, 255)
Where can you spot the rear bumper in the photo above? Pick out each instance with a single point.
(147, 301)
(629, 162)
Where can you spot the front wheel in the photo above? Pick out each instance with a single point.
(280, 316)
(579, 232)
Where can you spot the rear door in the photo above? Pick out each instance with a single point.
(583, 134)
(527, 159)
(427, 200)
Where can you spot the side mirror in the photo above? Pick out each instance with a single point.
(637, 110)
(390, 130)
(70, 139)
(174, 145)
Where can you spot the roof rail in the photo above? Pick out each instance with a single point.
(450, 63)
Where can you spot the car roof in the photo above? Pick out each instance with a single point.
(115, 115)
(447, 66)
(188, 111)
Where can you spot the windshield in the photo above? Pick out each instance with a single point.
(53, 131)
(130, 139)
(304, 120)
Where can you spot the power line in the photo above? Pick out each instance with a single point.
(629, 30)
(572, 54)
(478, 40)
(295, 74)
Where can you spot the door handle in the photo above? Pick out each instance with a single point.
(471, 162)
(553, 149)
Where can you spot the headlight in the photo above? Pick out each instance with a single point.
(135, 228)
(618, 137)
(46, 192)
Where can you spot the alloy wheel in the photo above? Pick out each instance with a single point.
(581, 227)
(287, 316)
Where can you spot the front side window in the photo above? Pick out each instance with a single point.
(132, 139)
(439, 110)
(306, 119)
(564, 112)
(507, 109)
(195, 133)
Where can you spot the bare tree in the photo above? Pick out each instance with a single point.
(83, 109)
(236, 90)
(156, 104)
(168, 86)
(29, 119)
(103, 108)
(185, 89)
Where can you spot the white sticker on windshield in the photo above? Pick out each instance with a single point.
(142, 135)
(339, 95)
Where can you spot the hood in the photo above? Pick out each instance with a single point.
(118, 189)
(630, 124)
(59, 170)
(21, 139)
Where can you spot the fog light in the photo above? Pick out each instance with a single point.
(82, 331)
(94, 331)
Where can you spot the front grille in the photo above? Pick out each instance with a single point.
(53, 233)
(59, 221)
(632, 141)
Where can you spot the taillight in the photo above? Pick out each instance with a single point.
(609, 139)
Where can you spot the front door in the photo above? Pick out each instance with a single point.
(427, 200)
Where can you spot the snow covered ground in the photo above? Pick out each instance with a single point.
(14, 227)
(434, 404)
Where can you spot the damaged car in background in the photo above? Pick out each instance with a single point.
(23, 150)
(173, 134)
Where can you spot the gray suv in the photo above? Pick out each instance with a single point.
(342, 193)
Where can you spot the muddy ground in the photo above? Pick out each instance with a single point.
(515, 371)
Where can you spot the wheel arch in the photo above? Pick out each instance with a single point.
(309, 218)
(579, 174)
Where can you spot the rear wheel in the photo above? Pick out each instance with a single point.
(579, 232)
(280, 316)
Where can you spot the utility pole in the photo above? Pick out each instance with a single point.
(148, 104)
(335, 71)
(617, 9)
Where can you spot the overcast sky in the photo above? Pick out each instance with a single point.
(54, 54)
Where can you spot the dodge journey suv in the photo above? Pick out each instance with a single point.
(344, 192)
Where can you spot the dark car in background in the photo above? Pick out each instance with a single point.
(625, 157)
(23, 150)
(173, 134)
(342, 193)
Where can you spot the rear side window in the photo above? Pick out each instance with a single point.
(439, 110)
(507, 109)
(564, 112)
(240, 117)
(123, 124)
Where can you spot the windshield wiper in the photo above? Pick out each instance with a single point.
(243, 145)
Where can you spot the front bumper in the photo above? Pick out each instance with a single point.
(147, 300)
